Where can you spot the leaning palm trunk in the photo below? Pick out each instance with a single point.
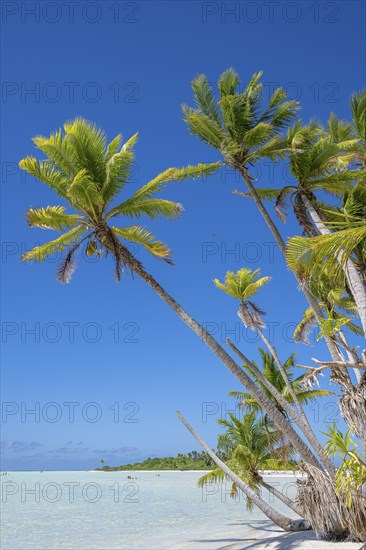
(273, 352)
(287, 524)
(354, 280)
(268, 405)
(317, 494)
(307, 431)
(353, 408)
(352, 357)
(342, 376)
(283, 498)
(353, 404)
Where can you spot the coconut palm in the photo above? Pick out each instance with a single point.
(358, 112)
(271, 372)
(348, 491)
(242, 286)
(344, 240)
(246, 131)
(88, 174)
(279, 519)
(250, 446)
(318, 166)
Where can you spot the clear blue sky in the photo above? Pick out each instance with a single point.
(128, 66)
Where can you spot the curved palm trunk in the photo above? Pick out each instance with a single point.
(287, 524)
(353, 277)
(283, 498)
(280, 367)
(351, 358)
(303, 425)
(313, 439)
(268, 405)
(335, 354)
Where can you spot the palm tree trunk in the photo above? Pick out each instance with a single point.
(313, 439)
(351, 358)
(283, 498)
(302, 424)
(287, 524)
(334, 352)
(289, 386)
(276, 416)
(355, 283)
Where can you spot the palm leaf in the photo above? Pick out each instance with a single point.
(151, 207)
(40, 253)
(51, 217)
(45, 172)
(205, 98)
(83, 193)
(118, 170)
(139, 235)
(204, 127)
(89, 145)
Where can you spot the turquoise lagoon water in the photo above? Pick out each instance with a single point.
(100, 510)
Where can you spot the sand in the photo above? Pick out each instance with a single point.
(272, 538)
(276, 539)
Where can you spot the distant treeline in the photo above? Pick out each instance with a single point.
(190, 461)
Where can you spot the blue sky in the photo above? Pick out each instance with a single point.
(108, 364)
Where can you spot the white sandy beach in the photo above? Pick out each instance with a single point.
(162, 510)
(272, 538)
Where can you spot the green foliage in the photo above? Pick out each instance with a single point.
(249, 445)
(270, 371)
(242, 285)
(190, 461)
(51, 217)
(239, 124)
(351, 475)
(89, 173)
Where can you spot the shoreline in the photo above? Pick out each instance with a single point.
(281, 540)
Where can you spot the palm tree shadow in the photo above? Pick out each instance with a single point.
(282, 541)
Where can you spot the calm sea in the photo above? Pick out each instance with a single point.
(98, 510)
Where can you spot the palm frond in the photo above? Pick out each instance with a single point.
(89, 145)
(40, 253)
(331, 251)
(118, 170)
(83, 192)
(139, 235)
(59, 152)
(151, 207)
(205, 98)
(204, 127)
(51, 217)
(46, 173)
(228, 82)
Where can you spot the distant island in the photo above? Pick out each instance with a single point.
(190, 461)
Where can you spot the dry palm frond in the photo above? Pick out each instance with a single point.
(353, 408)
(326, 509)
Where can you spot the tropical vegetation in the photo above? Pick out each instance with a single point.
(328, 200)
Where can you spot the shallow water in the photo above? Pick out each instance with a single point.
(100, 510)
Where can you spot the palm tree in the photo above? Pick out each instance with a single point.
(317, 164)
(348, 491)
(242, 286)
(88, 174)
(250, 446)
(271, 372)
(246, 131)
(279, 519)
